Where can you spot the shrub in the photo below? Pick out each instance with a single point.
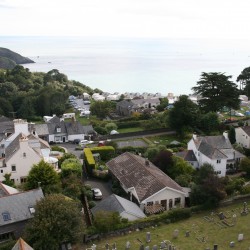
(128, 124)
(57, 148)
(71, 166)
(106, 152)
(89, 160)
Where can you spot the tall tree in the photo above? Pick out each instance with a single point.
(183, 115)
(57, 220)
(244, 80)
(217, 91)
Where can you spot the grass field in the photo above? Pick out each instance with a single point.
(127, 130)
(205, 229)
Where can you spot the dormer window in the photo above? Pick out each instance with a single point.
(24, 155)
(58, 129)
(6, 216)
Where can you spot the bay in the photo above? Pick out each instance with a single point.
(133, 65)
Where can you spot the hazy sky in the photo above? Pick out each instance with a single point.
(129, 18)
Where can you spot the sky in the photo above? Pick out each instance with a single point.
(226, 19)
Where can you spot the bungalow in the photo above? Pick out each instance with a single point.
(145, 184)
(15, 211)
(215, 150)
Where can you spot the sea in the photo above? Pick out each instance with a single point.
(151, 65)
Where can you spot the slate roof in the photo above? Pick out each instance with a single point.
(118, 204)
(52, 127)
(246, 129)
(132, 172)
(74, 128)
(17, 205)
(41, 129)
(213, 146)
(6, 126)
(125, 104)
(187, 155)
(12, 148)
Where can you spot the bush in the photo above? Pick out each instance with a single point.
(89, 160)
(106, 152)
(71, 166)
(8, 245)
(57, 148)
(128, 124)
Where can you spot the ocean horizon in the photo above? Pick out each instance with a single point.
(133, 64)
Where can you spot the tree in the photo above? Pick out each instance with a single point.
(64, 157)
(110, 126)
(244, 79)
(209, 122)
(164, 161)
(43, 174)
(183, 115)
(232, 135)
(57, 220)
(71, 166)
(8, 180)
(163, 104)
(102, 109)
(245, 165)
(72, 186)
(217, 91)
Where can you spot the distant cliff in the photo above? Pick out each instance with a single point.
(9, 59)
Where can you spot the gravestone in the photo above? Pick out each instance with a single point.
(148, 237)
(215, 247)
(240, 237)
(245, 209)
(155, 247)
(175, 233)
(187, 234)
(221, 216)
(142, 247)
(147, 248)
(163, 245)
(234, 219)
(232, 244)
(107, 246)
(128, 245)
(114, 246)
(170, 247)
(93, 247)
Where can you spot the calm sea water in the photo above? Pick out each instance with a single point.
(133, 65)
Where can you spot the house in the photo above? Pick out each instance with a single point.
(98, 97)
(215, 150)
(57, 130)
(242, 135)
(20, 155)
(145, 184)
(127, 107)
(15, 211)
(124, 207)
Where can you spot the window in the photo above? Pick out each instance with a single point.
(217, 172)
(150, 203)
(6, 236)
(32, 210)
(1, 171)
(218, 161)
(13, 168)
(58, 130)
(24, 155)
(23, 179)
(6, 216)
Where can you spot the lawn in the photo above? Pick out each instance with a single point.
(206, 229)
(127, 130)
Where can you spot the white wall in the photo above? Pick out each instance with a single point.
(242, 138)
(129, 216)
(73, 137)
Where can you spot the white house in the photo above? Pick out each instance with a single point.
(242, 135)
(215, 150)
(98, 97)
(146, 184)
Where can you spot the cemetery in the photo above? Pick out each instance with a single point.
(221, 229)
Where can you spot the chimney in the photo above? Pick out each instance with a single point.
(147, 162)
(194, 136)
(225, 134)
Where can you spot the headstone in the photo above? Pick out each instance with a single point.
(148, 237)
(232, 244)
(221, 216)
(187, 234)
(114, 246)
(107, 246)
(234, 218)
(240, 237)
(155, 247)
(215, 247)
(93, 247)
(142, 247)
(163, 245)
(128, 245)
(170, 247)
(147, 248)
(175, 233)
(245, 209)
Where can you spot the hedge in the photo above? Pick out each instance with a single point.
(129, 124)
(141, 150)
(106, 152)
(89, 160)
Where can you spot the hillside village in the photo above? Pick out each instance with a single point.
(121, 158)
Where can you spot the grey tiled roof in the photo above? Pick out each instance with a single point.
(118, 204)
(125, 104)
(147, 180)
(6, 126)
(187, 155)
(247, 130)
(41, 129)
(52, 127)
(74, 128)
(12, 148)
(17, 205)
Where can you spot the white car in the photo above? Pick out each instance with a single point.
(85, 142)
(97, 194)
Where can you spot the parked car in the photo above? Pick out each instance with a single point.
(97, 194)
(85, 142)
(76, 141)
